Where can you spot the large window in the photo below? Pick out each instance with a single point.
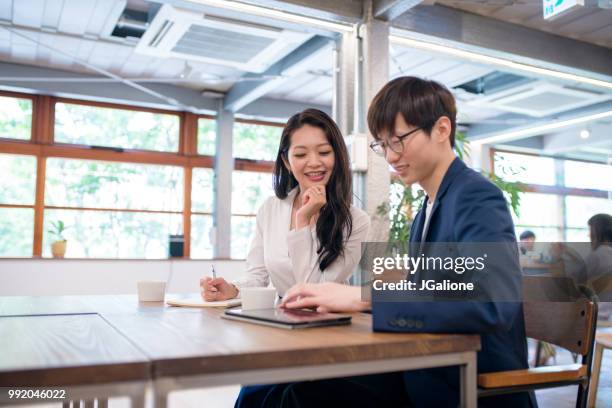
(15, 118)
(100, 126)
(559, 197)
(120, 198)
(17, 192)
(122, 179)
(113, 210)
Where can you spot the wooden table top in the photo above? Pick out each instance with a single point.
(187, 341)
(72, 349)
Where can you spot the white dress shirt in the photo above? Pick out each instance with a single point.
(287, 257)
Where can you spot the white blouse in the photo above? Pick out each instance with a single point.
(287, 257)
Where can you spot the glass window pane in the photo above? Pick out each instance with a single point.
(588, 175)
(207, 136)
(97, 234)
(525, 168)
(18, 180)
(15, 118)
(249, 191)
(538, 210)
(202, 190)
(16, 232)
(201, 237)
(577, 235)
(540, 213)
(94, 184)
(91, 125)
(243, 229)
(256, 142)
(580, 209)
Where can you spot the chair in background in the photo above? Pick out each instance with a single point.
(569, 324)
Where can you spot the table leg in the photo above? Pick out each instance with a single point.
(137, 400)
(595, 374)
(160, 398)
(469, 395)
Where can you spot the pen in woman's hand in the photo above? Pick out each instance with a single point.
(214, 274)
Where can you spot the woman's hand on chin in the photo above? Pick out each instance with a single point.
(325, 297)
(313, 199)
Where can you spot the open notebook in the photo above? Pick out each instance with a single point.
(199, 302)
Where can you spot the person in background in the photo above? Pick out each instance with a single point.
(599, 261)
(308, 231)
(527, 242)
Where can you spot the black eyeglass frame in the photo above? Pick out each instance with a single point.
(383, 145)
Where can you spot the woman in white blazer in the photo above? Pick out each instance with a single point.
(308, 231)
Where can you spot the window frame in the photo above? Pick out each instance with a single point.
(42, 145)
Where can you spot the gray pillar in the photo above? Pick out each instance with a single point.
(224, 166)
(344, 97)
(374, 74)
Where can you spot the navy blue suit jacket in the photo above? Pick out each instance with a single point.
(467, 208)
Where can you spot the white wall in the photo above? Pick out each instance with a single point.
(27, 277)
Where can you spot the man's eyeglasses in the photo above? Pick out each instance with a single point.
(396, 143)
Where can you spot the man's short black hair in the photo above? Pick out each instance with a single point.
(526, 235)
(419, 101)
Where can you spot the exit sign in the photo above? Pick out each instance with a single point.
(554, 8)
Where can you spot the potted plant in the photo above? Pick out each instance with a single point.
(58, 246)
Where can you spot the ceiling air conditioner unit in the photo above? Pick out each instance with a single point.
(539, 99)
(217, 40)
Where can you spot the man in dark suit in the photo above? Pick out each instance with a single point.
(413, 122)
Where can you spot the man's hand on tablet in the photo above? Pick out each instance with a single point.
(325, 297)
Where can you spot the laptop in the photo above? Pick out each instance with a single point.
(287, 318)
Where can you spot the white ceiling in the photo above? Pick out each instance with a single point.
(590, 23)
(56, 33)
(80, 28)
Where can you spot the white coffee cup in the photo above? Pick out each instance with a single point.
(151, 291)
(257, 298)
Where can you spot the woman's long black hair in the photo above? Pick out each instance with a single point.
(335, 220)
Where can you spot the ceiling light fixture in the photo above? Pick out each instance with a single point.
(536, 130)
(277, 14)
(502, 62)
